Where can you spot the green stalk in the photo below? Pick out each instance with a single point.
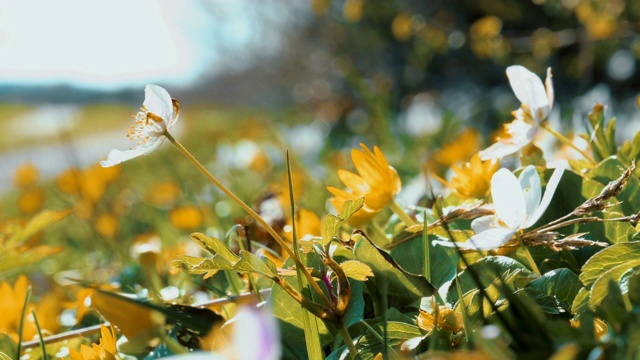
(527, 254)
(27, 298)
(427, 249)
(348, 341)
(253, 214)
(398, 210)
(40, 337)
(311, 332)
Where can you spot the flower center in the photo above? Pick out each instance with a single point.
(143, 129)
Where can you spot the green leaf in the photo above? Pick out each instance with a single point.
(489, 269)
(330, 226)
(251, 263)
(608, 258)
(350, 207)
(214, 247)
(38, 223)
(4, 356)
(369, 344)
(7, 347)
(198, 265)
(331, 223)
(403, 288)
(580, 301)
(356, 270)
(600, 287)
(443, 260)
(561, 284)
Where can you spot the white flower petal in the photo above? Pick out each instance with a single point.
(486, 240)
(508, 199)
(256, 335)
(548, 84)
(483, 223)
(529, 89)
(118, 156)
(531, 188)
(498, 151)
(546, 199)
(158, 101)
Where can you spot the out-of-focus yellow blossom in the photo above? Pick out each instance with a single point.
(106, 225)
(460, 149)
(352, 10)
(486, 40)
(377, 181)
(446, 318)
(600, 17)
(30, 201)
(163, 193)
(186, 217)
(26, 175)
(12, 301)
(600, 328)
(68, 181)
(473, 179)
(320, 7)
(401, 27)
(146, 249)
(93, 184)
(307, 224)
(105, 350)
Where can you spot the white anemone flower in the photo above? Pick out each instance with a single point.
(536, 104)
(158, 114)
(518, 204)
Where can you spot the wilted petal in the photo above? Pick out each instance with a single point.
(546, 199)
(508, 199)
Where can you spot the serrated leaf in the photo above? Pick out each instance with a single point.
(600, 287)
(251, 263)
(198, 265)
(330, 226)
(356, 270)
(580, 301)
(560, 284)
(608, 258)
(214, 247)
(350, 207)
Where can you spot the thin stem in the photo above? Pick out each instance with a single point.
(347, 340)
(398, 210)
(27, 298)
(532, 263)
(40, 338)
(253, 214)
(427, 249)
(563, 139)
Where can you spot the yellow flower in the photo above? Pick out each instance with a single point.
(600, 328)
(187, 217)
(30, 201)
(26, 175)
(460, 149)
(163, 193)
(105, 350)
(307, 224)
(377, 181)
(106, 225)
(68, 181)
(447, 320)
(473, 179)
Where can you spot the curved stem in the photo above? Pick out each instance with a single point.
(253, 214)
(563, 139)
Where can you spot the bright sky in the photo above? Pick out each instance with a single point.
(109, 44)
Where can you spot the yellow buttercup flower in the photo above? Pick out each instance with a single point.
(31, 201)
(106, 225)
(164, 193)
(26, 175)
(377, 181)
(105, 350)
(187, 217)
(473, 179)
(460, 149)
(307, 224)
(446, 318)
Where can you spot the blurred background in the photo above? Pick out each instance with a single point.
(323, 74)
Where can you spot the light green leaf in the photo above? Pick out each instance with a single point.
(350, 207)
(600, 287)
(356, 270)
(330, 226)
(7, 347)
(214, 246)
(369, 344)
(251, 263)
(608, 258)
(580, 301)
